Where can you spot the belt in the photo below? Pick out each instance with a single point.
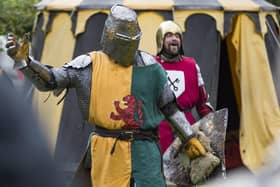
(127, 135)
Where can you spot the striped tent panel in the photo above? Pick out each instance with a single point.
(265, 5)
(97, 4)
(58, 4)
(135, 4)
(227, 5)
(248, 5)
(198, 4)
(238, 5)
(149, 5)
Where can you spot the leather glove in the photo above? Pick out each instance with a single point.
(195, 148)
(18, 51)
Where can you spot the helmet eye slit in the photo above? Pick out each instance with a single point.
(125, 37)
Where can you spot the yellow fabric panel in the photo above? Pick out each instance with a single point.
(235, 5)
(149, 4)
(46, 19)
(63, 4)
(35, 21)
(180, 16)
(260, 115)
(83, 16)
(233, 50)
(149, 23)
(58, 49)
(108, 167)
(112, 82)
(262, 16)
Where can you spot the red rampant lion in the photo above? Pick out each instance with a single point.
(127, 114)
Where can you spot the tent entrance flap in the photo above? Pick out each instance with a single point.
(259, 110)
(272, 43)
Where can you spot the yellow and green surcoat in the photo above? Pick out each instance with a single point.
(122, 97)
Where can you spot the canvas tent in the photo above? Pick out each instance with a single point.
(236, 44)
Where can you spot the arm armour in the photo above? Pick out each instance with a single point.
(40, 75)
(47, 78)
(74, 74)
(174, 116)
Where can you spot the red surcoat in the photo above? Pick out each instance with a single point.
(186, 82)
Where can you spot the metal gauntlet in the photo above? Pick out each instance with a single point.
(40, 75)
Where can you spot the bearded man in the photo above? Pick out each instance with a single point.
(184, 78)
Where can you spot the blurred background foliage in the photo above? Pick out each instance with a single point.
(275, 2)
(17, 16)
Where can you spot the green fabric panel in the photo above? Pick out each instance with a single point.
(146, 164)
(147, 85)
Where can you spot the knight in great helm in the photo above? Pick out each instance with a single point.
(123, 92)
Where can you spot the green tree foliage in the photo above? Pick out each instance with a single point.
(17, 16)
(275, 2)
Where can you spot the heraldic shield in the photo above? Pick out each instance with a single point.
(211, 131)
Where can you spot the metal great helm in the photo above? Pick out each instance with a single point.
(121, 35)
(166, 27)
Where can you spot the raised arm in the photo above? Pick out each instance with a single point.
(44, 77)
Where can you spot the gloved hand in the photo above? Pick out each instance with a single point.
(195, 148)
(18, 51)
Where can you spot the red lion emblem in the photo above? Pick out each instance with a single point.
(134, 107)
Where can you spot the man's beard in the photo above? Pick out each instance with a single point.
(170, 54)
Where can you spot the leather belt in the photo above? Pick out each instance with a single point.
(127, 135)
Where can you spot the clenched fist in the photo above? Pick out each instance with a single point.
(195, 148)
